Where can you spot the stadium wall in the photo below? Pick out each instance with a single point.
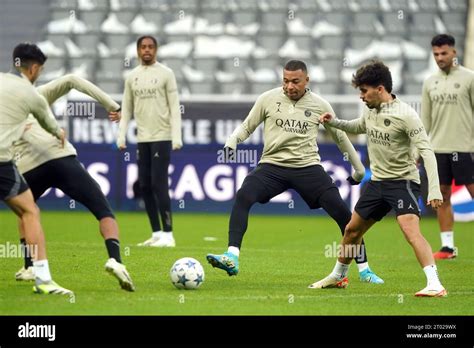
(199, 181)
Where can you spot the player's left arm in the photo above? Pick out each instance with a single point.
(417, 135)
(255, 117)
(175, 112)
(55, 89)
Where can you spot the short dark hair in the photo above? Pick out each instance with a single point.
(293, 65)
(26, 53)
(443, 39)
(373, 74)
(141, 38)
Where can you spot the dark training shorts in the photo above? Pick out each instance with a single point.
(379, 197)
(458, 166)
(68, 175)
(309, 182)
(12, 182)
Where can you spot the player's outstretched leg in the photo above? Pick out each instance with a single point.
(90, 195)
(110, 232)
(351, 242)
(446, 222)
(26, 209)
(331, 201)
(410, 225)
(251, 192)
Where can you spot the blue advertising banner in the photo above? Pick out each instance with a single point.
(199, 180)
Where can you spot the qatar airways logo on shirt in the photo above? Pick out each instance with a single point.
(292, 126)
(445, 98)
(377, 137)
(145, 92)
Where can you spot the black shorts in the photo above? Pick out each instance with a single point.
(310, 182)
(68, 175)
(458, 166)
(12, 182)
(379, 197)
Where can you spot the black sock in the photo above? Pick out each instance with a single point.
(26, 254)
(113, 248)
(362, 253)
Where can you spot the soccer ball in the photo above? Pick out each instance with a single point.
(187, 273)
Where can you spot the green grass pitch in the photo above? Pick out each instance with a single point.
(281, 256)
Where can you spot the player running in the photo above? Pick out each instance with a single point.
(392, 128)
(447, 114)
(44, 165)
(18, 98)
(290, 160)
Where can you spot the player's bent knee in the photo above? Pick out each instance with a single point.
(246, 197)
(352, 232)
(31, 210)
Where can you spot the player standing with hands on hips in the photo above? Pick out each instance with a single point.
(392, 128)
(447, 112)
(151, 96)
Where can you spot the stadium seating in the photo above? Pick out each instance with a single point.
(96, 39)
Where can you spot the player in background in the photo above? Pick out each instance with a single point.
(18, 98)
(44, 166)
(151, 96)
(447, 114)
(290, 159)
(392, 128)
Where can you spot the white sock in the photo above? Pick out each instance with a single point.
(340, 270)
(432, 276)
(447, 239)
(156, 234)
(41, 269)
(362, 266)
(234, 250)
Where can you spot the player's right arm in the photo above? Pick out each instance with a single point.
(127, 110)
(39, 108)
(253, 120)
(55, 89)
(345, 146)
(356, 126)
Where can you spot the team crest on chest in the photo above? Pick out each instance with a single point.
(386, 122)
(307, 113)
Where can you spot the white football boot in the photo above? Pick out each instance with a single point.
(149, 241)
(165, 240)
(25, 274)
(119, 271)
(330, 282)
(431, 291)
